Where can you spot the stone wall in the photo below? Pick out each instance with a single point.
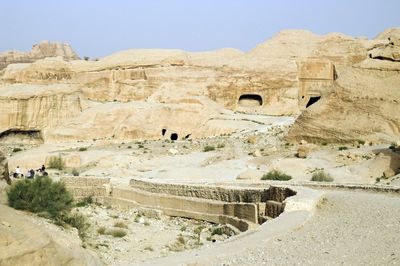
(242, 208)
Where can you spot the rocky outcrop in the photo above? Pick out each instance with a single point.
(27, 241)
(4, 175)
(41, 50)
(36, 107)
(362, 104)
(137, 93)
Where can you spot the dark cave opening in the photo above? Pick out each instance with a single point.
(250, 100)
(313, 100)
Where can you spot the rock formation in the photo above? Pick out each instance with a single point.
(362, 103)
(334, 81)
(41, 50)
(4, 169)
(24, 242)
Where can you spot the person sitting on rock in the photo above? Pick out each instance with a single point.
(17, 173)
(31, 174)
(41, 169)
(39, 173)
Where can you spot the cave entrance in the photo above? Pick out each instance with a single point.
(313, 100)
(174, 136)
(250, 100)
(18, 136)
(163, 131)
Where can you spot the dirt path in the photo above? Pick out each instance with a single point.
(351, 228)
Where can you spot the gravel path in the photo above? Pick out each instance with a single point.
(351, 228)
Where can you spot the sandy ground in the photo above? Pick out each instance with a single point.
(149, 234)
(259, 148)
(350, 228)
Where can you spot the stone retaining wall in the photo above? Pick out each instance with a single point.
(240, 207)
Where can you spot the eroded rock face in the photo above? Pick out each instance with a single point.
(24, 242)
(36, 107)
(41, 50)
(136, 93)
(4, 175)
(363, 103)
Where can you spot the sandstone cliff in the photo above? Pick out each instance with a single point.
(136, 93)
(362, 104)
(41, 50)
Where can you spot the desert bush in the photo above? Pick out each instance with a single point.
(117, 232)
(181, 240)
(217, 231)
(75, 172)
(78, 221)
(342, 148)
(221, 145)
(149, 248)
(101, 230)
(321, 176)
(121, 225)
(16, 150)
(85, 201)
(56, 163)
(40, 195)
(361, 142)
(82, 149)
(276, 175)
(208, 148)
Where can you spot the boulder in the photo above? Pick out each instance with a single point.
(250, 174)
(389, 173)
(304, 150)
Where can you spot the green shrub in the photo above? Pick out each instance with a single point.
(85, 202)
(221, 145)
(16, 150)
(217, 231)
(149, 248)
(120, 225)
(82, 149)
(116, 232)
(342, 148)
(56, 163)
(208, 148)
(75, 172)
(101, 230)
(40, 195)
(181, 240)
(276, 175)
(78, 221)
(321, 176)
(361, 142)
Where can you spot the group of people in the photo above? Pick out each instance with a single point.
(31, 173)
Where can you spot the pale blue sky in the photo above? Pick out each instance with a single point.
(97, 28)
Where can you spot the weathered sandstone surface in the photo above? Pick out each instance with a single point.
(41, 50)
(363, 103)
(4, 169)
(25, 242)
(342, 86)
